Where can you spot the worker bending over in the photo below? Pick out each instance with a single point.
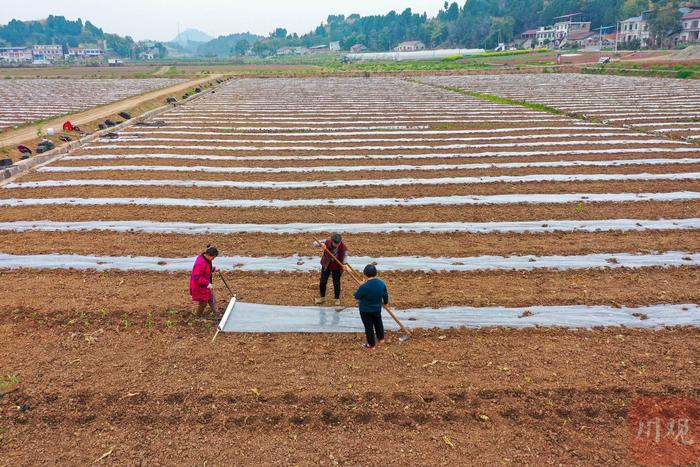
(331, 267)
(372, 295)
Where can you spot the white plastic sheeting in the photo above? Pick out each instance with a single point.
(335, 140)
(564, 178)
(202, 147)
(361, 131)
(296, 263)
(145, 226)
(250, 317)
(545, 198)
(362, 168)
(316, 157)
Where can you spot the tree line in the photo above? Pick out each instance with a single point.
(476, 23)
(61, 31)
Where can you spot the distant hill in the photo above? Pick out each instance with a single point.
(192, 35)
(52, 30)
(223, 46)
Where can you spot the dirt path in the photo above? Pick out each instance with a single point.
(15, 137)
(161, 71)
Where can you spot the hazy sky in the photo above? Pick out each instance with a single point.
(158, 19)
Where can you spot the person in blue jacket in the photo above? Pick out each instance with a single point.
(372, 295)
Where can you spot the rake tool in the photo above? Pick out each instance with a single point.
(358, 278)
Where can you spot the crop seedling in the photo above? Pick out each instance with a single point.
(168, 324)
(149, 320)
(580, 207)
(8, 380)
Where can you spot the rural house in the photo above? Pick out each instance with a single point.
(635, 28)
(84, 53)
(409, 46)
(581, 39)
(545, 36)
(318, 49)
(566, 26)
(357, 48)
(691, 26)
(47, 52)
(292, 51)
(526, 40)
(15, 54)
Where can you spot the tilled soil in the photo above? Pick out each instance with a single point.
(320, 176)
(455, 244)
(476, 213)
(145, 160)
(71, 292)
(159, 395)
(399, 192)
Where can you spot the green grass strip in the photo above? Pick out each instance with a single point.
(497, 99)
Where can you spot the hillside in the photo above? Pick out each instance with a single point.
(224, 46)
(192, 35)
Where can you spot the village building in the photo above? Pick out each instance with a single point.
(83, 53)
(581, 39)
(636, 28)
(16, 54)
(545, 35)
(357, 48)
(292, 51)
(690, 24)
(334, 46)
(566, 26)
(527, 39)
(49, 53)
(149, 52)
(409, 46)
(319, 49)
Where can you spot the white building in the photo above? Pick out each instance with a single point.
(334, 46)
(635, 28)
(410, 46)
(566, 25)
(545, 35)
(16, 54)
(82, 52)
(50, 52)
(292, 51)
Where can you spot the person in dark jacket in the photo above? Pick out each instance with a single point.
(330, 267)
(201, 281)
(372, 295)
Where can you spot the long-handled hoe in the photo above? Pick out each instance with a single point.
(358, 278)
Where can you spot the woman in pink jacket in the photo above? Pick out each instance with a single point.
(201, 287)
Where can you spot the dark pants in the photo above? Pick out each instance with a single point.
(201, 306)
(325, 274)
(373, 323)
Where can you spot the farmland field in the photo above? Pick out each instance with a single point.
(462, 202)
(669, 107)
(27, 100)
